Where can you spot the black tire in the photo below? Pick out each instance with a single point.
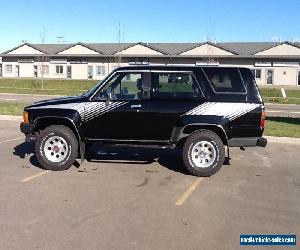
(215, 143)
(69, 145)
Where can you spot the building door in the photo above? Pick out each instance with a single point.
(269, 77)
(298, 82)
(35, 70)
(90, 72)
(0, 70)
(17, 71)
(69, 72)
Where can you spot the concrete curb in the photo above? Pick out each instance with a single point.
(269, 105)
(31, 95)
(10, 118)
(288, 140)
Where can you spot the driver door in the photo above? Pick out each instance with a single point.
(115, 111)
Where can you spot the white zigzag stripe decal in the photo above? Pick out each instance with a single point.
(225, 109)
(88, 110)
(93, 110)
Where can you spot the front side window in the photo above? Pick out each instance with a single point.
(123, 86)
(8, 69)
(59, 69)
(174, 86)
(225, 80)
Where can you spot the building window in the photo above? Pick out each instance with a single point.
(8, 69)
(45, 69)
(90, 72)
(59, 69)
(258, 73)
(100, 70)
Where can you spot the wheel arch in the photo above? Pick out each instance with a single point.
(216, 128)
(42, 122)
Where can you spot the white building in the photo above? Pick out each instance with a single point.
(272, 63)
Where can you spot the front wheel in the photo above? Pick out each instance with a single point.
(56, 148)
(203, 153)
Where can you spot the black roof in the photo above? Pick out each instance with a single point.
(170, 67)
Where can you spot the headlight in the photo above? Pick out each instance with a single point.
(25, 117)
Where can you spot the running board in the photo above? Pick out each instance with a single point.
(161, 146)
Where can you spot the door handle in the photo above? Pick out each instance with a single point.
(135, 106)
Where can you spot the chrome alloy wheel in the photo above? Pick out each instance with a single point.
(203, 154)
(56, 149)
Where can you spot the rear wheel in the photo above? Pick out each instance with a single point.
(56, 148)
(203, 153)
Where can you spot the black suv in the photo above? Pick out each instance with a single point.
(200, 109)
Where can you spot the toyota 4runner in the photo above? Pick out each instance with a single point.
(203, 110)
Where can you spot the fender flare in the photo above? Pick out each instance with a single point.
(180, 133)
(37, 120)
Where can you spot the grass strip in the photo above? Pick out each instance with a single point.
(282, 126)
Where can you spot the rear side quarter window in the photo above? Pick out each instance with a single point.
(225, 80)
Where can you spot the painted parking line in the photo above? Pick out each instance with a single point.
(9, 140)
(281, 111)
(35, 176)
(182, 198)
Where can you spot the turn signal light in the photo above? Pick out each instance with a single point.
(263, 119)
(25, 117)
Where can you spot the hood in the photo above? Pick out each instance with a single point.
(56, 101)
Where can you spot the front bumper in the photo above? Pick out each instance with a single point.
(28, 130)
(248, 142)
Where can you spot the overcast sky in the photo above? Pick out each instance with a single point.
(148, 21)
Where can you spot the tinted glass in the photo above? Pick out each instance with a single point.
(123, 86)
(252, 89)
(174, 85)
(225, 80)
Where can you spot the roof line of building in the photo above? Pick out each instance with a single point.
(78, 43)
(27, 44)
(114, 49)
(296, 57)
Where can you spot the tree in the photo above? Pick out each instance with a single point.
(42, 67)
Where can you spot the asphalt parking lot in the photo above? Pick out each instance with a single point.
(131, 199)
